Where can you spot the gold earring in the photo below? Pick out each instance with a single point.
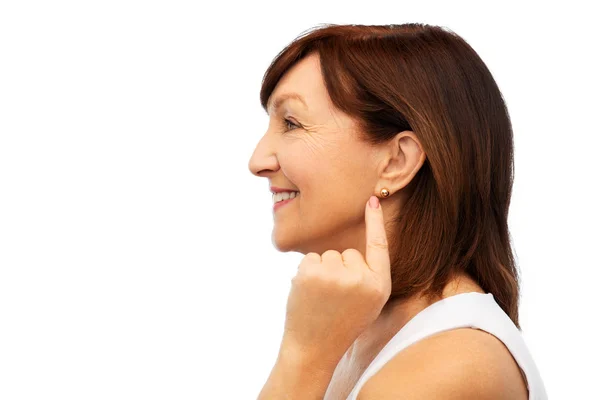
(385, 192)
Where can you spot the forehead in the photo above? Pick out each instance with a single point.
(301, 84)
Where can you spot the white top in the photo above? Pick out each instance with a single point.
(464, 310)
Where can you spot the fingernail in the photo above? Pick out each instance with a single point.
(374, 202)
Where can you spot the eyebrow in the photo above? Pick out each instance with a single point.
(278, 102)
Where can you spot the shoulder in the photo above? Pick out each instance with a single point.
(457, 364)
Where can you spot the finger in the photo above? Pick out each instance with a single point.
(353, 258)
(310, 259)
(377, 252)
(313, 258)
(332, 257)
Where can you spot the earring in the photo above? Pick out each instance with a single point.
(385, 192)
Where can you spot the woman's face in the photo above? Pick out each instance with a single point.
(317, 153)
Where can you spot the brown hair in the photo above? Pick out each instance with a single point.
(427, 79)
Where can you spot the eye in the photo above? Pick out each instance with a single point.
(287, 123)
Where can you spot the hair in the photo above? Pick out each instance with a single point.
(428, 80)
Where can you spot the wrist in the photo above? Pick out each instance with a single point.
(296, 377)
(305, 375)
(304, 360)
(324, 359)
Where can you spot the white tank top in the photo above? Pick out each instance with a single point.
(464, 310)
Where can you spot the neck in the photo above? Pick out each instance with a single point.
(397, 313)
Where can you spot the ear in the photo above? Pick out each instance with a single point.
(403, 157)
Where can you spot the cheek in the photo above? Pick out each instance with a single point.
(324, 170)
(303, 166)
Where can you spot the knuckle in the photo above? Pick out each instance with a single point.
(309, 259)
(331, 253)
(352, 257)
(311, 256)
(379, 243)
(351, 253)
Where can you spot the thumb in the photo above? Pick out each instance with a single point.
(377, 252)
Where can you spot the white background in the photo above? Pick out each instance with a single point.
(135, 245)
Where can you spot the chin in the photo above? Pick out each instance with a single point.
(282, 244)
(292, 243)
(286, 243)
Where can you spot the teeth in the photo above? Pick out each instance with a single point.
(277, 197)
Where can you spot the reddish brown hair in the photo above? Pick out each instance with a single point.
(427, 79)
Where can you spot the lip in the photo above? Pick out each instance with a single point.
(282, 203)
(275, 189)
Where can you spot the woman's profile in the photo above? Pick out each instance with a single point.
(389, 152)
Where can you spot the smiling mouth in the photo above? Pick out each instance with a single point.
(284, 196)
(277, 204)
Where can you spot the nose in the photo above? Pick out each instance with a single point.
(263, 161)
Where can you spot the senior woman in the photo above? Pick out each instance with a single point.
(389, 151)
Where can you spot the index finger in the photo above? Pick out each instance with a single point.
(377, 252)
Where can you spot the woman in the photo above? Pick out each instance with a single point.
(390, 154)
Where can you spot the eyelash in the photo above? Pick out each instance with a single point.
(287, 121)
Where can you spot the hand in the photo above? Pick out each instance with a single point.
(335, 297)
